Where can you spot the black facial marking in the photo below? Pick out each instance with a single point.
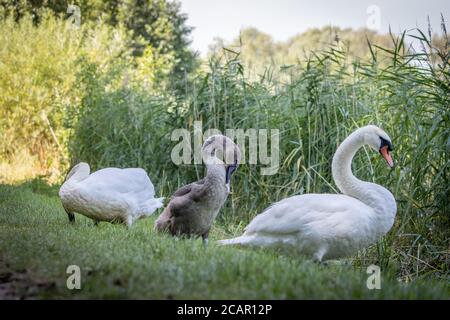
(387, 143)
(208, 142)
(230, 170)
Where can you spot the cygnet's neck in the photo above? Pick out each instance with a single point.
(216, 173)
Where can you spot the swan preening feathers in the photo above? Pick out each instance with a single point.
(321, 226)
(330, 226)
(110, 194)
(193, 207)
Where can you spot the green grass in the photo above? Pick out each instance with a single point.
(38, 243)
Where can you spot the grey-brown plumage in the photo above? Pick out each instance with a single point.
(193, 208)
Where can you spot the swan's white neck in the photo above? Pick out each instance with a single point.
(342, 166)
(373, 195)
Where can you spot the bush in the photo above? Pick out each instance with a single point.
(36, 85)
(39, 67)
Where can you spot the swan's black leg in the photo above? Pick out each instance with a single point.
(205, 237)
(70, 215)
(96, 223)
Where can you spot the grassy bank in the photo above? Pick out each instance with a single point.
(37, 244)
(93, 101)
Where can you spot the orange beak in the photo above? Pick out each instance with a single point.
(387, 156)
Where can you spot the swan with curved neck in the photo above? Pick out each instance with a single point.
(193, 207)
(330, 226)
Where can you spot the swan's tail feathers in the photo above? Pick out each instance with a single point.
(242, 240)
(150, 206)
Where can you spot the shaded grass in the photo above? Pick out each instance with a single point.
(36, 238)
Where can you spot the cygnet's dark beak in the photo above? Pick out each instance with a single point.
(229, 171)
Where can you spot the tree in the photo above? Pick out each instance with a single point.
(161, 25)
(156, 23)
(258, 51)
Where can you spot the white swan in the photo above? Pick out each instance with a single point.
(110, 194)
(330, 226)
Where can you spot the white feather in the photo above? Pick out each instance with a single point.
(110, 194)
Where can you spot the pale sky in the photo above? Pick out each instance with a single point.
(285, 18)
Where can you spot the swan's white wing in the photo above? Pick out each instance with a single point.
(112, 193)
(130, 180)
(95, 200)
(318, 215)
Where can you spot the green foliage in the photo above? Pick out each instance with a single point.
(155, 25)
(260, 54)
(36, 84)
(39, 66)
